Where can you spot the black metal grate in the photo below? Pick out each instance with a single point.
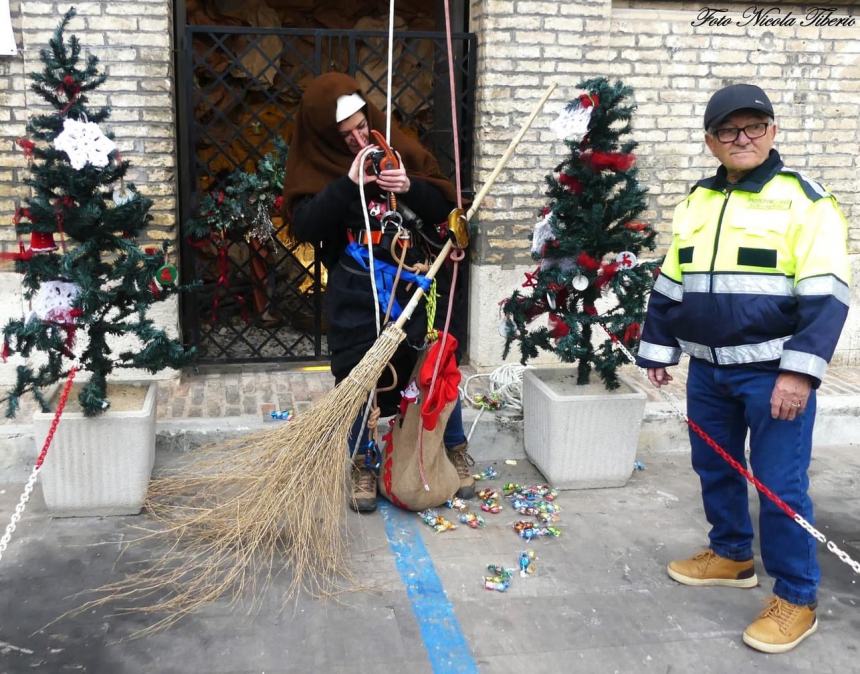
(241, 87)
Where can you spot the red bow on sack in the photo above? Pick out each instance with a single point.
(447, 379)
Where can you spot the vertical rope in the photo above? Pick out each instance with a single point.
(454, 122)
(390, 71)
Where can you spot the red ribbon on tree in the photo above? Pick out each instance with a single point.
(607, 272)
(570, 183)
(558, 328)
(589, 100)
(631, 333)
(636, 226)
(614, 161)
(587, 262)
(28, 146)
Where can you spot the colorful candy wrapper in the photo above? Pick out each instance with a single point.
(529, 530)
(511, 488)
(472, 520)
(489, 473)
(490, 500)
(499, 578)
(527, 565)
(433, 519)
(281, 415)
(457, 504)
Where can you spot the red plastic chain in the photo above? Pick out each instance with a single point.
(61, 404)
(782, 505)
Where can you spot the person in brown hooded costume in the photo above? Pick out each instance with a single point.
(323, 206)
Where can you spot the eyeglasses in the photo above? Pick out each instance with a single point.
(730, 134)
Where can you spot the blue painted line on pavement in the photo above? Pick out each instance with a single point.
(446, 645)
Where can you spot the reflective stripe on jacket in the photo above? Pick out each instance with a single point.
(757, 274)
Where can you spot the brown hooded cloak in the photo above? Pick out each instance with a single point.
(318, 154)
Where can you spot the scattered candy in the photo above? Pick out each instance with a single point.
(528, 530)
(433, 519)
(489, 473)
(457, 504)
(491, 401)
(282, 415)
(490, 500)
(499, 578)
(527, 567)
(511, 462)
(638, 465)
(472, 520)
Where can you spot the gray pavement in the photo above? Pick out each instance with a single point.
(600, 602)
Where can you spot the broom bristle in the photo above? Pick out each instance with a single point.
(240, 512)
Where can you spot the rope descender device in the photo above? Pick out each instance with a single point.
(384, 159)
(458, 228)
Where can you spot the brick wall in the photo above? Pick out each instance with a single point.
(132, 39)
(811, 73)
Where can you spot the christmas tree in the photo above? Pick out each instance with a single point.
(588, 242)
(99, 284)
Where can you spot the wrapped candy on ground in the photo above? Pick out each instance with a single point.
(529, 530)
(489, 473)
(472, 520)
(433, 519)
(527, 565)
(488, 493)
(511, 488)
(457, 504)
(499, 578)
(491, 506)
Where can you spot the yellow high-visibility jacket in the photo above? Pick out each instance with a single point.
(757, 275)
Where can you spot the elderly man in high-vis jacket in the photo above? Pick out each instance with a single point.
(755, 290)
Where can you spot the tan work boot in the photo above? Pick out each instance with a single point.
(459, 456)
(781, 626)
(708, 568)
(363, 497)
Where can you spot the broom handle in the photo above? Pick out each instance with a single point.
(479, 197)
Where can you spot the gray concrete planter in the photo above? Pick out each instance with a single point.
(580, 437)
(100, 465)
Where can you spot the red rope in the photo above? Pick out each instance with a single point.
(782, 505)
(56, 420)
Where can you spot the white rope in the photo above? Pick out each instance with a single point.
(506, 384)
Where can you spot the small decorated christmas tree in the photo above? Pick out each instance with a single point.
(98, 283)
(588, 243)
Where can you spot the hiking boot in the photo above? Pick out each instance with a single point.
(781, 626)
(708, 568)
(459, 456)
(363, 498)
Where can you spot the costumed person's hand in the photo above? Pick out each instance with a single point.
(394, 180)
(362, 158)
(658, 376)
(790, 395)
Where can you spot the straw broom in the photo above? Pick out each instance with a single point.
(243, 511)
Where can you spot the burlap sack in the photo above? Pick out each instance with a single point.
(415, 472)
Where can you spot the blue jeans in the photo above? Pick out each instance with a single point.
(726, 402)
(454, 433)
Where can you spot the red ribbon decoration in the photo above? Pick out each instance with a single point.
(28, 146)
(614, 161)
(570, 183)
(589, 100)
(587, 262)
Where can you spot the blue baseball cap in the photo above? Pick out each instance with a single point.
(733, 98)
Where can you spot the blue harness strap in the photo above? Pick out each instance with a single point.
(384, 272)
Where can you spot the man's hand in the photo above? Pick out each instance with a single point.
(362, 158)
(394, 180)
(790, 395)
(658, 376)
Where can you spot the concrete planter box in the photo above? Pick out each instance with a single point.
(100, 465)
(580, 437)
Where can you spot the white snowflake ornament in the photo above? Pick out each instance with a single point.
(572, 123)
(53, 301)
(84, 143)
(542, 235)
